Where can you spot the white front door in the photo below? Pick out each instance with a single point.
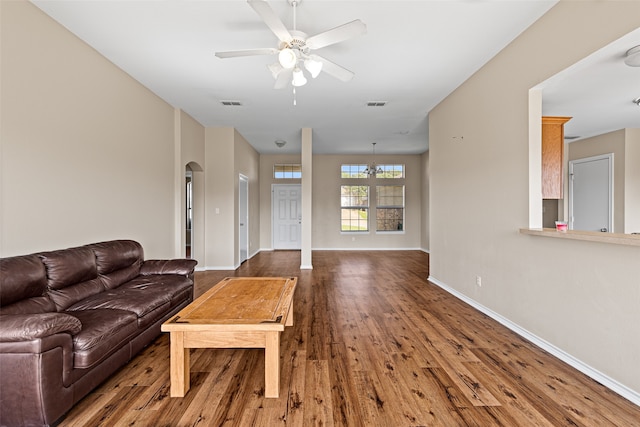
(591, 194)
(243, 218)
(286, 216)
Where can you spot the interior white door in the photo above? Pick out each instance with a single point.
(287, 216)
(591, 193)
(243, 218)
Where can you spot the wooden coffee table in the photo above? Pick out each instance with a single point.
(238, 312)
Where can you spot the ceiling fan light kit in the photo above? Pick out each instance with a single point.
(295, 47)
(287, 58)
(298, 78)
(313, 67)
(632, 57)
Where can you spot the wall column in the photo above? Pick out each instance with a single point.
(307, 220)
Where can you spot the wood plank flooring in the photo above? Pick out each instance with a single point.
(373, 344)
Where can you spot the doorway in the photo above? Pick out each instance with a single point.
(243, 218)
(286, 216)
(188, 212)
(591, 193)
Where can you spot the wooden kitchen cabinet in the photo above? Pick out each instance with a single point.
(553, 156)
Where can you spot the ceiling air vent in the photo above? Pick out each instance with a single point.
(376, 103)
(231, 103)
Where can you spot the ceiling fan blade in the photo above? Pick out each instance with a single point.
(283, 79)
(337, 34)
(334, 69)
(247, 52)
(272, 20)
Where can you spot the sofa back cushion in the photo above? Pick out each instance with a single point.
(118, 261)
(72, 275)
(23, 286)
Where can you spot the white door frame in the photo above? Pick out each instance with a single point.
(243, 218)
(608, 157)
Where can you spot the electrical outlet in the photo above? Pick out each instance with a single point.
(478, 280)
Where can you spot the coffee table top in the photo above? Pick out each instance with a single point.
(260, 301)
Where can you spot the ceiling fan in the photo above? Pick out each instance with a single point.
(295, 47)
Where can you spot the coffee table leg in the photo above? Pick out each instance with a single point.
(180, 370)
(272, 364)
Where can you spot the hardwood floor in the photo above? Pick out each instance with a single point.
(373, 344)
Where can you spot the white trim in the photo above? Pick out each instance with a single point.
(603, 379)
(610, 162)
(535, 157)
(306, 267)
(368, 249)
(243, 180)
(220, 267)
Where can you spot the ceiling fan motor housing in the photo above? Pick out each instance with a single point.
(299, 42)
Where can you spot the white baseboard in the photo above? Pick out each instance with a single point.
(306, 267)
(367, 249)
(621, 389)
(220, 267)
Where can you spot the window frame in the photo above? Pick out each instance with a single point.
(384, 207)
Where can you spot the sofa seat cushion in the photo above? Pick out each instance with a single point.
(103, 332)
(175, 287)
(137, 300)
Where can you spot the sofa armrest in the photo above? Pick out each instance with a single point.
(183, 267)
(26, 327)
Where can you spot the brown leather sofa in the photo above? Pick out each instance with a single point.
(70, 318)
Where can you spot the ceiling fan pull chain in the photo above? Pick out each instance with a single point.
(294, 96)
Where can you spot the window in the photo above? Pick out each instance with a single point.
(353, 171)
(354, 212)
(391, 171)
(287, 171)
(389, 207)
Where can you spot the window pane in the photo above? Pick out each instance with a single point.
(389, 219)
(391, 171)
(354, 195)
(287, 171)
(390, 196)
(353, 171)
(354, 219)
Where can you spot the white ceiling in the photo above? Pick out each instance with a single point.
(414, 54)
(597, 92)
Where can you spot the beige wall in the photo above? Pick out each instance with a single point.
(424, 211)
(192, 154)
(220, 199)
(580, 297)
(612, 142)
(87, 152)
(247, 163)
